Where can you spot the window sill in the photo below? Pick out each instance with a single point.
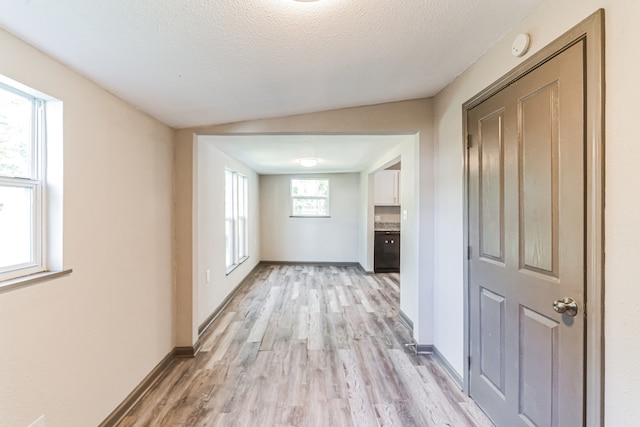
(32, 279)
(234, 266)
(309, 216)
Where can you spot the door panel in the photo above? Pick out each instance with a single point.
(538, 154)
(526, 219)
(491, 177)
(492, 323)
(538, 368)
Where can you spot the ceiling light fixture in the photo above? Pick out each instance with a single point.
(308, 163)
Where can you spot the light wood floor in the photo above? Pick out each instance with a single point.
(308, 346)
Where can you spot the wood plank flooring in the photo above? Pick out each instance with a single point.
(304, 345)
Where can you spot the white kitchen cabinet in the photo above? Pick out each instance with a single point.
(386, 188)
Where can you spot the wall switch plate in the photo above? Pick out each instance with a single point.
(208, 276)
(405, 214)
(40, 422)
(377, 218)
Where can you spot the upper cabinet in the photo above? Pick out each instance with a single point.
(387, 188)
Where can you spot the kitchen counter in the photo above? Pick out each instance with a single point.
(386, 226)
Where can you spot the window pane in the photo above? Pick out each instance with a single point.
(228, 194)
(240, 196)
(242, 217)
(242, 239)
(310, 187)
(16, 236)
(15, 134)
(228, 234)
(310, 207)
(236, 212)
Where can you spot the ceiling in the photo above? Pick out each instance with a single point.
(202, 62)
(277, 154)
(206, 62)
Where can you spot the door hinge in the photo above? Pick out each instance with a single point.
(469, 141)
(469, 362)
(468, 252)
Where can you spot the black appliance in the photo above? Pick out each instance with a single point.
(386, 252)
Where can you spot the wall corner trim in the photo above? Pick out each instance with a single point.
(363, 270)
(406, 321)
(424, 348)
(442, 361)
(121, 411)
(154, 376)
(188, 352)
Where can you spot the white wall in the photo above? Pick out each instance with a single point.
(209, 232)
(73, 348)
(332, 239)
(622, 197)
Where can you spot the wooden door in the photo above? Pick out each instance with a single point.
(527, 237)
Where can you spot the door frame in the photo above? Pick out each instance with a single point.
(591, 30)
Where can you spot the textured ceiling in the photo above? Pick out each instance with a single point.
(198, 62)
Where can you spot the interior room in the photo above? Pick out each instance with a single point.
(150, 112)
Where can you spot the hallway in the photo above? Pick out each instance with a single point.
(304, 345)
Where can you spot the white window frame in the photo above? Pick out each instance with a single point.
(237, 223)
(243, 218)
(36, 183)
(293, 198)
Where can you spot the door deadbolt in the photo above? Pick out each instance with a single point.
(566, 306)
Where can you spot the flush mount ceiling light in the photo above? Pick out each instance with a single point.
(308, 162)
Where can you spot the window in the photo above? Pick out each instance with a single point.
(22, 185)
(236, 219)
(310, 197)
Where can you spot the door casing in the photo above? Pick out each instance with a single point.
(591, 30)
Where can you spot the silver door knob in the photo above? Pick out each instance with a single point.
(566, 306)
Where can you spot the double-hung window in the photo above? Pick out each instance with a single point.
(236, 219)
(310, 197)
(22, 185)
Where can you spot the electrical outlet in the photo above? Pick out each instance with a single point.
(377, 218)
(40, 422)
(208, 276)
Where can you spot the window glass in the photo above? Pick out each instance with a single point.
(16, 127)
(310, 187)
(242, 218)
(21, 188)
(16, 221)
(310, 197)
(309, 207)
(236, 219)
(229, 217)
